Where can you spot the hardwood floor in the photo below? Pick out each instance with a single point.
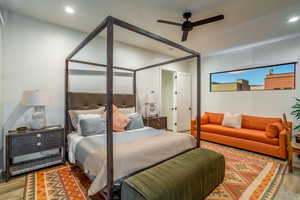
(13, 189)
(289, 190)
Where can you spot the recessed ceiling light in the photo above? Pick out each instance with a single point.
(293, 19)
(69, 10)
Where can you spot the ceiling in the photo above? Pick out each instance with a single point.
(246, 21)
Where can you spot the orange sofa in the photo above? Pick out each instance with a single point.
(258, 134)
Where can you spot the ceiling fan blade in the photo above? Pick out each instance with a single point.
(208, 20)
(168, 22)
(184, 36)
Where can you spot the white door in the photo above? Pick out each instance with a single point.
(167, 95)
(183, 101)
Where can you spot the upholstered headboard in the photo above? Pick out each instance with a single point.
(85, 101)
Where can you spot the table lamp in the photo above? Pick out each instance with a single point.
(38, 100)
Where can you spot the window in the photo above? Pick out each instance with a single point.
(273, 77)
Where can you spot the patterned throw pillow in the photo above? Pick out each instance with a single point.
(136, 122)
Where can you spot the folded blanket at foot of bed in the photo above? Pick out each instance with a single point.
(192, 175)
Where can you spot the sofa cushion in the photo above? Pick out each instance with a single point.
(204, 119)
(242, 133)
(215, 118)
(257, 123)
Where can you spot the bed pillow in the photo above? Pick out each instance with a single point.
(74, 114)
(92, 126)
(232, 120)
(127, 111)
(120, 121)
(136, 121)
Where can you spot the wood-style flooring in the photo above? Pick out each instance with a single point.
(289, 190)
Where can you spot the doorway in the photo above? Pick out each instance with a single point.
(176, 91)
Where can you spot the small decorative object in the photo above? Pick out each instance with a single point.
(297, 136)
(38, 100)
(151, 108)
(22, 129)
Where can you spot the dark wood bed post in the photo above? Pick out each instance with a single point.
(134, 89)
(109, 113)
(198, 99)
(67, 128)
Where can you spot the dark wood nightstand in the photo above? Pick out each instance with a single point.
(33, 141)
(158, 122)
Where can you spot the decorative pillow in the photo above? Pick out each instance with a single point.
(83, 117)
(92, 126)
(136, 122)
(127, 111)
(232, 120)
(75, 113)
(273, 129)
(120, 121)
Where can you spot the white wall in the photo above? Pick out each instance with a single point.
(261, 103)
(34, 53)
(1, 75)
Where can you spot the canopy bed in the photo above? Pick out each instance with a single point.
(149, 144)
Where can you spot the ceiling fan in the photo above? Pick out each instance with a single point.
(188, 25)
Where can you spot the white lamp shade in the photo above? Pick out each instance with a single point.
(35, 98)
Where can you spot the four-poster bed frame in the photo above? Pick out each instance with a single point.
(109, 23)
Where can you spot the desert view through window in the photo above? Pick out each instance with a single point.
(275, 77)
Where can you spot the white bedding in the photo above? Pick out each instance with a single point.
(75, 137)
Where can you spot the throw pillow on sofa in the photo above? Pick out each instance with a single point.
(273, 129)
(232, 120)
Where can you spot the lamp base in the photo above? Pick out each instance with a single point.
(38, 118)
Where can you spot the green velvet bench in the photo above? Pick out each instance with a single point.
(190, 176)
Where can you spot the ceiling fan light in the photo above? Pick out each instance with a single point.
(293, 19)
(69, 10)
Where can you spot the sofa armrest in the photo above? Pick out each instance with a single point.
(282, 138)
(203, 120)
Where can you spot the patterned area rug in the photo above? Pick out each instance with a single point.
(56, 183)
(248, 176)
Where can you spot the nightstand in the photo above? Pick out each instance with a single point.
(33, 141)
(158, 122)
